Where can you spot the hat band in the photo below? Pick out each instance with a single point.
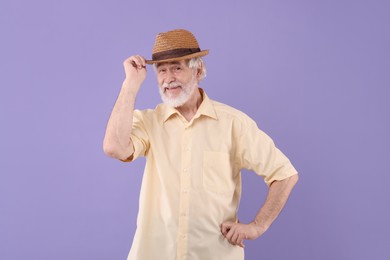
(163, 55)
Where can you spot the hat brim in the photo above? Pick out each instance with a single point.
(185, 57)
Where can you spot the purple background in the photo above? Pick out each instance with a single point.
(313, 74)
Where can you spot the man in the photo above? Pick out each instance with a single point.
(195, 148)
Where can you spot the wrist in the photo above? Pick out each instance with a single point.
(131, 87)
(259, 226)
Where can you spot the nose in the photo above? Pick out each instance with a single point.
(170, 77)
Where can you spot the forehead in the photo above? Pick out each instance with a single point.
(172, 63)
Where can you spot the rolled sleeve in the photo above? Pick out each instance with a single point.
(259, 153)
(139, 137)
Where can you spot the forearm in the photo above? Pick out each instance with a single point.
(117, 142)
(278, 194)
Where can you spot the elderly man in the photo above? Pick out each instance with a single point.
(195, 148)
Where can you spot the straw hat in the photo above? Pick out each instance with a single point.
(175, 45)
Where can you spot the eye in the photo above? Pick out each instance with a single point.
(162, 70)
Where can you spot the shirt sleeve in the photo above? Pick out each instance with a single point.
(258, 153)
(139, 136)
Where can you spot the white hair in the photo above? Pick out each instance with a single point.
(194, 63)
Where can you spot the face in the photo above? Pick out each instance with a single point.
(177, 82)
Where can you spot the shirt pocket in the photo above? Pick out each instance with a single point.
(217, 172)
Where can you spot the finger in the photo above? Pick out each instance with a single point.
(140, 61)
(240, 240)
(230, 234)
(135, 61)
(127, 61)
(225, 227)
(137, 66)
(235, 238)
(238, 237)
(143, 61)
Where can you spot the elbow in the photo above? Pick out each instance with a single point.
(114, 151)
(108, 149)
(294, 179)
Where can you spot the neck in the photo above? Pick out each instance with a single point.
(189, 109)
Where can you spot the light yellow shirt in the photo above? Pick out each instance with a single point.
(192, 180)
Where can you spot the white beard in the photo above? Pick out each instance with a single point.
(186, 92)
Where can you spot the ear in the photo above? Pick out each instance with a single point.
(199, 72)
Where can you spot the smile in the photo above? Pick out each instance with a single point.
(171, 88)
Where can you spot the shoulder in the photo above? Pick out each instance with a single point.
(230, 113)
(150, 111)
(145, 114)
(151, 115)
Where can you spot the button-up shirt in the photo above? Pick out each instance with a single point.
(192, 180)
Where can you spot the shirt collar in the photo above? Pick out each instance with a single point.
(206, 108)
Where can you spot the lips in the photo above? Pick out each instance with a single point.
(171, 88)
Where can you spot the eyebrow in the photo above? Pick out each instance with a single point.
(168, 63)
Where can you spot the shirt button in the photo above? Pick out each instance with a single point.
(185, 191)
(185, 170)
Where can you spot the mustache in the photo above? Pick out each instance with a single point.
(171, 85)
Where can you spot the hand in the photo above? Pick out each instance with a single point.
(236, 233)
(135, 69)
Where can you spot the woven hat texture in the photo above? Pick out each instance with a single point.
(175, 45)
